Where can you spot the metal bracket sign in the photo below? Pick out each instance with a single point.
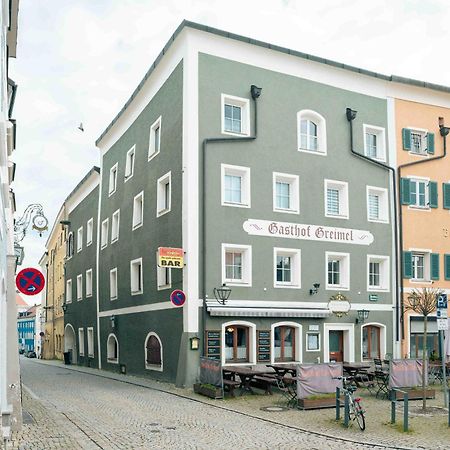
(30, 281)
(170, 258)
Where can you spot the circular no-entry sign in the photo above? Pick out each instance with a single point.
(178, 297)
(30, 281)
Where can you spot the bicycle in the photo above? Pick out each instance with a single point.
(356, 412)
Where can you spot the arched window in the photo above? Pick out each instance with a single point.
(284, 343)
(70, 245)
(311, 132)
(112, 349)
(153, 352)
(371, 342)
(236, 343)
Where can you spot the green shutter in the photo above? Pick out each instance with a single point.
(447, 267)
(446, 195)
(434, 257)
(433, 193)
(405, 191)
(430, 143)
(407, 265)
(406, 135)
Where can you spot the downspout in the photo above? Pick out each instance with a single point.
(443, 131)
(255, 93)
(351, 115)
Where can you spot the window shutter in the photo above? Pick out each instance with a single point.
(405, 191)
(433, 193)
(446, 195)
(407, 265)
(434, 258)
(406, 135)
(447, 267)
(430, 143)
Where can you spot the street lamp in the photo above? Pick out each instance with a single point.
(222, 294)
(363, 314)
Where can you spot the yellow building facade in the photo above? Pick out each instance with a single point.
(53, 343)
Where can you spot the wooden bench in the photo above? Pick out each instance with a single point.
(266, 382)
(230, 386)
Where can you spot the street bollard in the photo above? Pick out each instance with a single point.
(405, 411)
(338, 404)
(393, 405)
(346, 411)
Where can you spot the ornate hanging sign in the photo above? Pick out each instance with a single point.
(300, 231)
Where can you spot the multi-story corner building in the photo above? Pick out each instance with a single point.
(53, 342)
(81, 271)
(423, 167)
(26, 329)
(10, 408)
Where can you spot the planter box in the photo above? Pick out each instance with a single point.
(415, 394)
(317, 403)
(208, 391)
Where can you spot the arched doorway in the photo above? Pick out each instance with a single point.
(70, 342)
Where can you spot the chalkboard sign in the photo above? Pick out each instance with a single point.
(213, 344)
(263, 346)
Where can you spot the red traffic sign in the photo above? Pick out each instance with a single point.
(178, 297)
(30, 281)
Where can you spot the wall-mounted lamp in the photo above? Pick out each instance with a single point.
(195, 343)
(222, 294)
(315, 289)
(113, 321)
(351, 114)
(363, 314)
(64, 222)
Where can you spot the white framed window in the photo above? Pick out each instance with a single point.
(113, 284)
(136, 277)
(235, 115)
(138, 210)
(81, 341)
(336, 199)
(79, 286)
(420, 266)
(377, 204)
(164, 278)
(79, 239)
(286, 342)
(313, 341)
(287, 267)
(115, 221)
(113, 179)
(337, 270)
(378, 273)
(286, 193)
(90, 341)
(311, 132)
(237, 265)
(129, 163)
(154, 139)
(89, 283)
(153, 352)
(374, 142)
(69, 291)
(105, 232)
(419, 141)
(419, 191)
(70, 245)
(89, 231)
(235, 186)
(112, 349)
(164, 188)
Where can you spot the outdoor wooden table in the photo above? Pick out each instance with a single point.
(355, 369)
(283, 369)
(245, 375)
(435, 370)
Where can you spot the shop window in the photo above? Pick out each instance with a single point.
(371, 342)
(236, 343)
(284, 343)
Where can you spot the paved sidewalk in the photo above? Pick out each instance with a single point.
(426, 432)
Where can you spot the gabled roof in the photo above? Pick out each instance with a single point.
(277, 48)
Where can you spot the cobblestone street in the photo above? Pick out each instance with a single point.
(75, 409)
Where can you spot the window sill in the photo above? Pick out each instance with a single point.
(386, 221)
(287, 211)
(91, 356)
(377, 289)
(136, 292)
(112, 361)
(313, 152)
(112, 298)
(127, 178)
(79, 299)
(420, 208)
(237, 283)
(115, 240)
(287, 286)
(88, 296)
(337, 288)
(236, 205)
(154, 367)
(422, 154)
(166, 286)
(152, 155)
(162, 212)
(88, 243)
(234, 133)
(111, 193)
(337, 216)
(416, 281)
(103, 246)
(135, 227)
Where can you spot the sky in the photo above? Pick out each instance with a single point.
(79, 61)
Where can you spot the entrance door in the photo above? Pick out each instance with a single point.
(336, 340)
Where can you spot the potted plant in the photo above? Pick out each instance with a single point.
(318, 401)
(209, 390)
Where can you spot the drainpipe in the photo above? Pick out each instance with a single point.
(443, 131)
(255, 93)
(351, 115)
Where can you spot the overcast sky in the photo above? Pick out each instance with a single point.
(79, 61)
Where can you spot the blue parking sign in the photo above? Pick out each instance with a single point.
(441, 301)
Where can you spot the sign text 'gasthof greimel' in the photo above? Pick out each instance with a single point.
(169, 257)
(288, 230)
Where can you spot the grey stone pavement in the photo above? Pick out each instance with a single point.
(81, 408)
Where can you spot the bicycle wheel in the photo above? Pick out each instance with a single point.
(359, 415)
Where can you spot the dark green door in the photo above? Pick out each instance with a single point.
(336, 339)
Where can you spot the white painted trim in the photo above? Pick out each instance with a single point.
(372, 306)
(344, 206)
(89, 224)
(114, 168)
(244, 173)
(160, 185)
(349, 339)
(294, 194)
(153, 366)
(132, 263)
(344, 273)
(380, 132)
(321, 123)
(86, 284)
(382, 207)
(296, 269)
(244, 104)
(137, 309)
(382, 339)
(251, 342)
(69, 281)
(112, 360)
(136, 225)
(115, 213)
(80, 241)
(306, 342)
(79, 289)
(113, 297)
(246, 265)
(81, 341)
(127, 159)
(91, 355)
(75, 342)
(104, 234)
(384, 273)
(298, 345)
(151, 143)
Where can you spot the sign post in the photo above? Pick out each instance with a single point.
(442, 322)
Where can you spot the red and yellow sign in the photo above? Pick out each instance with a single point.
(172, 258)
